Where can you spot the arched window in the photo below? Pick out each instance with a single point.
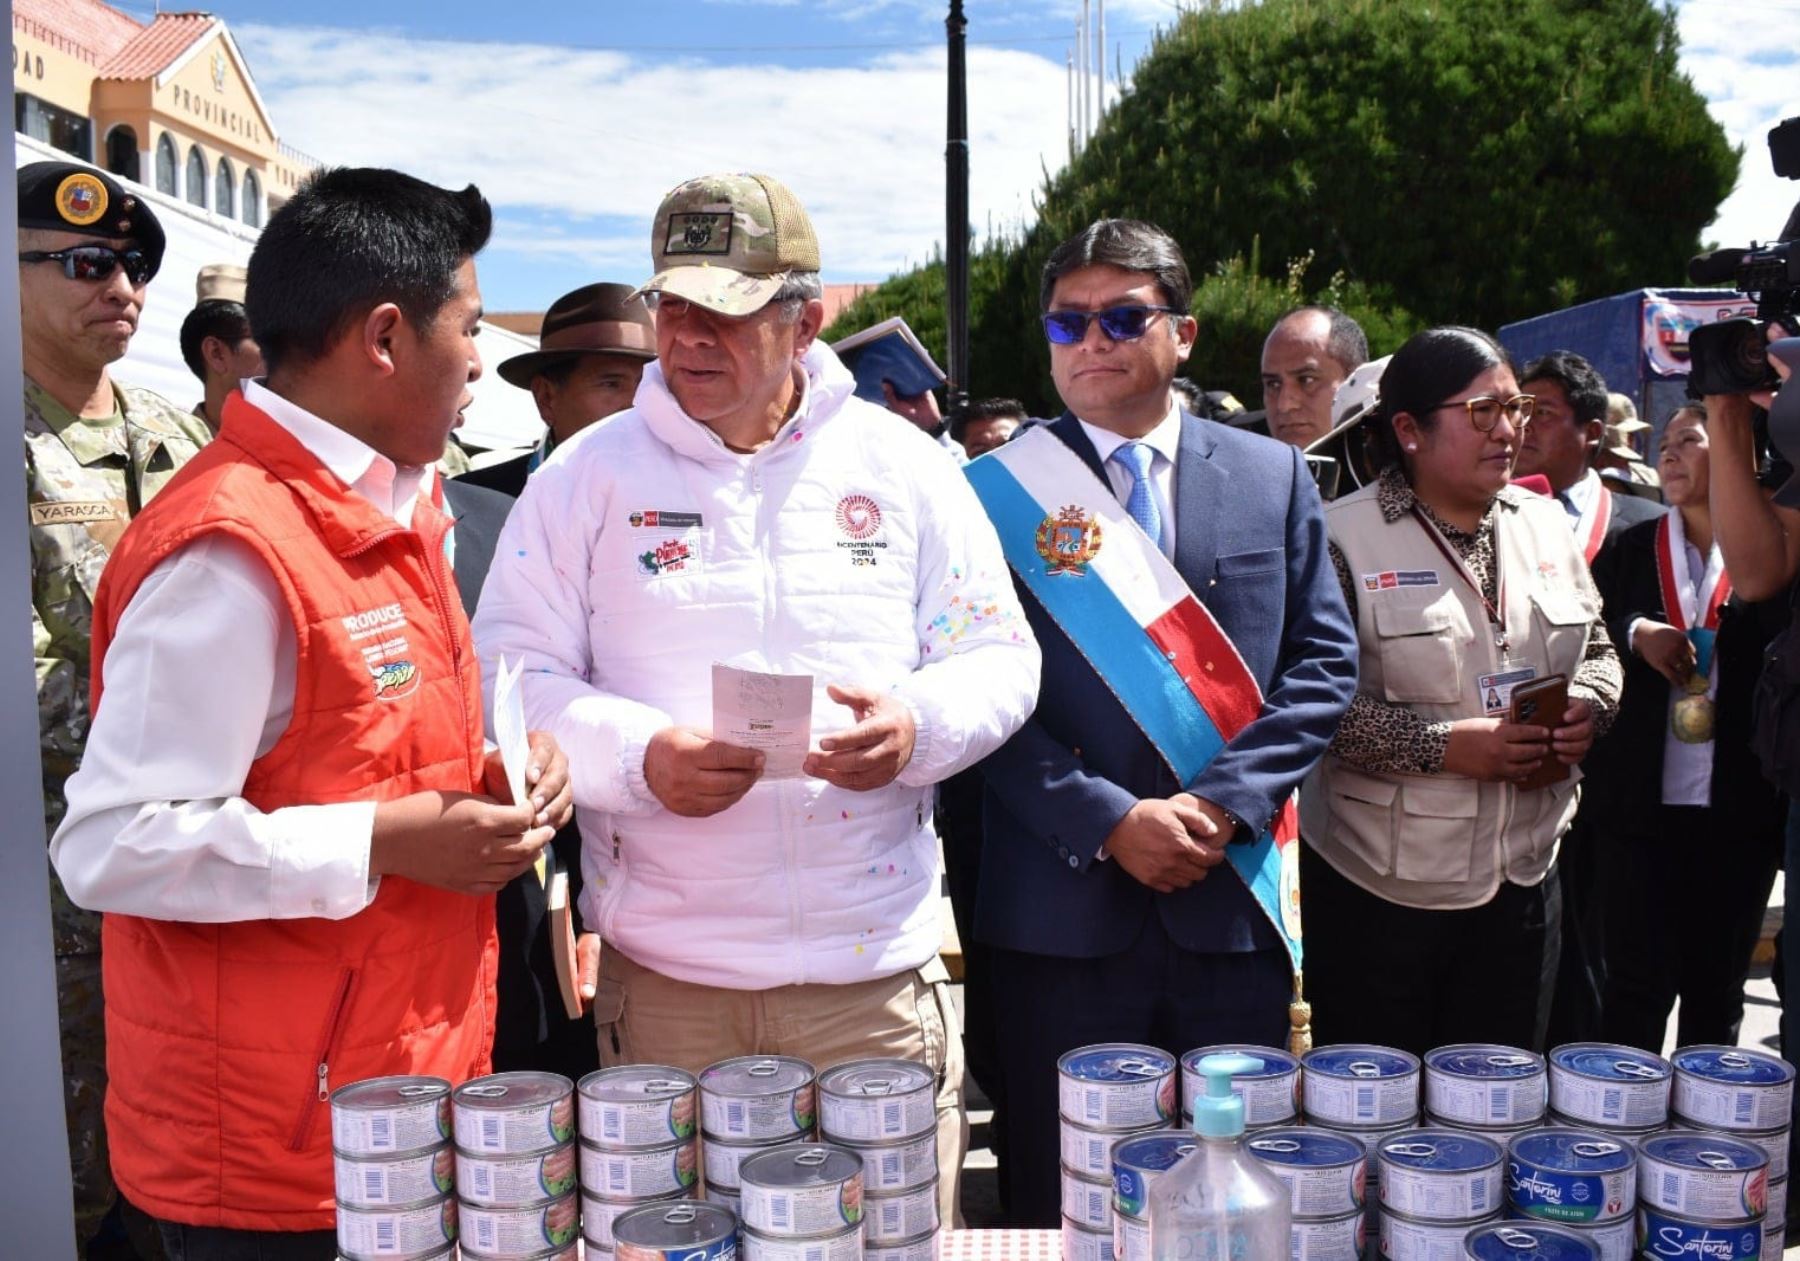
(122, 152)
(196, 176)
(252, 204)
(165, 164)
(225, 189)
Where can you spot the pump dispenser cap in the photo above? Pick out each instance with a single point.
(1220, 1112)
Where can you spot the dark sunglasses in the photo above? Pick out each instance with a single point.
(1120, 323)
(93, 262)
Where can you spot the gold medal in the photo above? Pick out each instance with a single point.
(1695, 714)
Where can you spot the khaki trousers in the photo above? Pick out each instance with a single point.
(644, 1017)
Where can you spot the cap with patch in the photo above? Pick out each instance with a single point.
(221, 282)
(69, 197)
(729, 242)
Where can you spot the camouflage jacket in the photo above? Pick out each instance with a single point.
(84, 481)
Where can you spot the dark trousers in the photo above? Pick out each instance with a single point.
(1581, 967)
(1155, 993)
(1415, 979)
(1687, 901)
(210, 1243)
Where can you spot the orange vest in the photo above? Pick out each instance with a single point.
(224, 1040)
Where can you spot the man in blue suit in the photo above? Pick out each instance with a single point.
(1104, 888)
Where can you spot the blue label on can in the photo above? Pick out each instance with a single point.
(1123, 1064)
(1664, 1235)
(1360, 1061)
(1512, 1241)
(1734, 1065)
(1570, 1176)
(1485, 1062)
(1441, 1151)
(1136, 1161)
(1616, 1063)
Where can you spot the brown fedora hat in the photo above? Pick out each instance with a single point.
(594, 319)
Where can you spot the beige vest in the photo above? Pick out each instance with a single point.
(1445, 841)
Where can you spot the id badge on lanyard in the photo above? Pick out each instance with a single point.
(1492, 691)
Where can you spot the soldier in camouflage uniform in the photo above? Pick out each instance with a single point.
(95, 453)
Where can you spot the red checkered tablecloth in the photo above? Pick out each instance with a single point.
(999, 1245)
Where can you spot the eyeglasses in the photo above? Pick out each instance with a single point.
(1119, 323)
(1485, 410)
(93, 262)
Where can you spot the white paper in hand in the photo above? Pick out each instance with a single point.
(515, 746)
(769, 712)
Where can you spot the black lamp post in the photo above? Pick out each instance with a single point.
(956, 201)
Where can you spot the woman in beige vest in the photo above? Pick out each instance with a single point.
(1430, 891)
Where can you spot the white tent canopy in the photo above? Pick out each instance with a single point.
(502, 416)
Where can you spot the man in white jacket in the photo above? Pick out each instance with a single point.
(748, 509)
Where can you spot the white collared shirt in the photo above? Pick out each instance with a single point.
(199, 683)
(1164, 441)
(1582, 495)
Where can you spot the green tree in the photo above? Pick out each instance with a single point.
(1474, 161)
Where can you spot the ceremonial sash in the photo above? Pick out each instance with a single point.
(1591, 527)
(1129, 612)
(1691, 607)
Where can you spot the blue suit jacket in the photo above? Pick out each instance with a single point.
(1250, 540)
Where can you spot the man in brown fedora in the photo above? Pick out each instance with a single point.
(591, 353)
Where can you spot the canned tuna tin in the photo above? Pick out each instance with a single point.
(876, 1101)
(506, 1181)
(1614, 1241)
(1407, 1239)
(1080, 1243)
(522, 1231)
(1117, 1086)
(757, 1097)
(1572, 1176)
(642, 1173)
(688, 1230)
(1708, 1177)
(1510, 1241)
(637, 1105)
(1131, 1238)
(892, 1218)
(515, 1113)
(598, 1216)
(721, 1160)
(1089, 1152)
(1087, 1202)
(1367, 1086)
(1490, 1086)
(384, 1116)
(366, 1182)
(846, 1245)
(802, 1189)
(1325, 1174)
(1271, 1094)
(1332, 1239)
(924, 1248)
(1139, 1161)
(899, 1166)
(1661, 1234)
(396, 1232)
(1728, 1088)
(1440, 1175)
(1597, 1083)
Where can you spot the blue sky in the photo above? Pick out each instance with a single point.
(574, 117)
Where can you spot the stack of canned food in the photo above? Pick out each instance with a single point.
(1744, 1094)
(1616, 1089)
(639, 1143)
(748, 1104)
(1582, 1180)
(802, 1202)
(394, 1167)
(1138, 1160)
(1326, 1175)
(884, 1112)
(1499, 1091)
(1365, 1093)
(1705, 1195)
(516, 1179)
(1105, 1093)
(688, 1229)
(1435, 1185)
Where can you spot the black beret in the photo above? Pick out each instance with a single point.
(69, 197)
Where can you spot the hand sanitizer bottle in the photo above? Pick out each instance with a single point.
(1220, 1203)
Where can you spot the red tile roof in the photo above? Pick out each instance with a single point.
(86, 28)
(157, 45)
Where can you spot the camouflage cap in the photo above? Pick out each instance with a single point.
(729, 242)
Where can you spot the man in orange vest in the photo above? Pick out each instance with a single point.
(286, 812)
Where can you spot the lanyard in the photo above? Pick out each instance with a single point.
(1501, 640)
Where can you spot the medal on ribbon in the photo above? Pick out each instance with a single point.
(1692, 608)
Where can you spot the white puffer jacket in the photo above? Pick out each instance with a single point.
(851, 549)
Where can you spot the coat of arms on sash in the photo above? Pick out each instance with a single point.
(1068, 540)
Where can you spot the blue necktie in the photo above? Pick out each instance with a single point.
(1134, 458)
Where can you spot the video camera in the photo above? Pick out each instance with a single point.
(1731, 356)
